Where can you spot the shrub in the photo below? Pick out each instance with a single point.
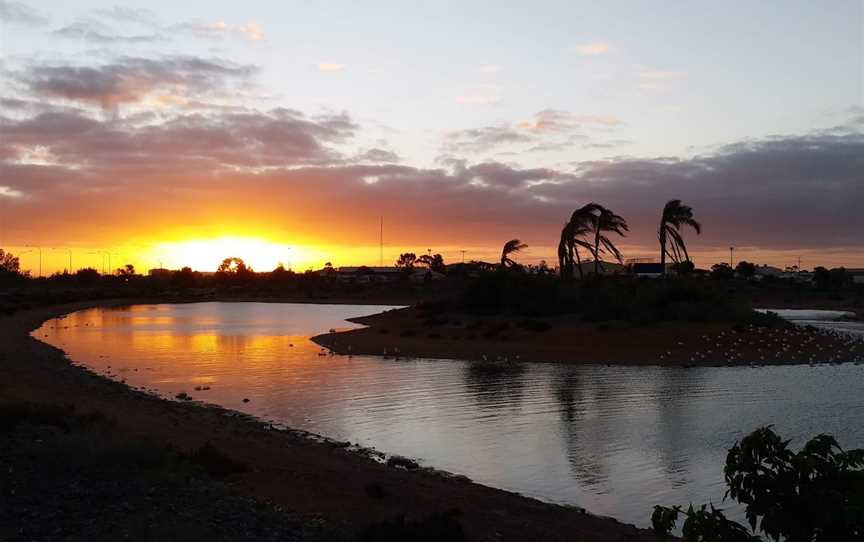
(814, 495)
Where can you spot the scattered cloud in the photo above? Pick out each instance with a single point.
(379, 156)
(96, 32)
(478, 99)
(131, 15)
(330, 67)
(554, 120)
(6, 192)
(547, 131)
(658, 80)
(483, 139)
(18, 13)
(593, 48)
(612, 144)
(132, 79)
(220, 29)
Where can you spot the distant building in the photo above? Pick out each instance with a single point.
(856, 274)
(606, 268)
(160, 273)
(647, 270)
(366, 273)
(765, 271)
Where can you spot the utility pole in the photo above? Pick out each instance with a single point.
(463, 255)
(731, 257)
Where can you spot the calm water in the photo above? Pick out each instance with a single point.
(615, 440)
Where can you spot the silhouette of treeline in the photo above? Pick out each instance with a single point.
(586, 245)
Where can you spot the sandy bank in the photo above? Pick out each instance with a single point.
(412, 333)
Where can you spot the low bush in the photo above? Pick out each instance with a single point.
(813, 495)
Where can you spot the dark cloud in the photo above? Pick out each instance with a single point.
(284, 168)
(790, 192)
(16, 12)
(198, 144)
(130, 79)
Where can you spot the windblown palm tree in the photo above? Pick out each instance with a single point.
(572, 237)
(511, 247)
(607, 221)
(675, 216)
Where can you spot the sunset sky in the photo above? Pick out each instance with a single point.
(281, 131)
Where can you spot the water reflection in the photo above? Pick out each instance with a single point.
(494, 384)
(615, 440)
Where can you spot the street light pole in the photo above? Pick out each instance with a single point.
(731, 256)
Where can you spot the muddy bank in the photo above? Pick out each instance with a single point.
(414, 333)
(313, 480)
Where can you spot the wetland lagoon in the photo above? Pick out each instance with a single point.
(615, 440)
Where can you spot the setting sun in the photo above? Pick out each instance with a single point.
(207, 254)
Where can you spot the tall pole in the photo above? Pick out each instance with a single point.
(463, 255)
(731, 256)
(381, 243)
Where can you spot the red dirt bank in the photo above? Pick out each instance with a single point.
(412, 333)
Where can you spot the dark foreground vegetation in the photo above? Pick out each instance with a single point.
(813, 495)
(602, 299)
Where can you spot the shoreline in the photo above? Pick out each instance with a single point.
(411, 333)
(304, 473)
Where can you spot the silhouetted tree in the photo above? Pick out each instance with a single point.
(234, 266)
(835, 278)
(406, 260)
(607, 221)
(185, 278)
(722, 271)
(745, 269)
(434, 262)
(573, 236)
(87, 275)
(9, 264)
(684, 268)
(813, 495)
(675, 216)
(126, 271)
(511, 247)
